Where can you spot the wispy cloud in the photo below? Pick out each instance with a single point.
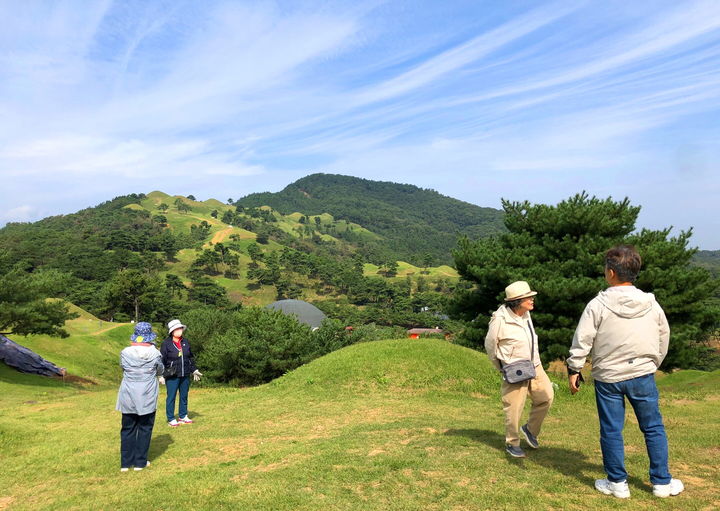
(473, 99)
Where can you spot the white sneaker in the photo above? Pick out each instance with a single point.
(124, 469)
(173, 423)
(619, 490)
(674, 487)
(137, 469)
(185, 420)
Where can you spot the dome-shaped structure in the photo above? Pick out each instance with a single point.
(305, 312)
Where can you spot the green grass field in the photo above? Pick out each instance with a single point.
(397, 425)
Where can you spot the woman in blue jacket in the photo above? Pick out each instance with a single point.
(179, 366)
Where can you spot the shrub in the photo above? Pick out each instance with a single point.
(256, 346)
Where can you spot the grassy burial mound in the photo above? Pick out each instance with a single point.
(397, 425)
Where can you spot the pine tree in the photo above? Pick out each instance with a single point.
(560, 251)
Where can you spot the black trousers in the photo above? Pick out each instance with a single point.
(135, 439)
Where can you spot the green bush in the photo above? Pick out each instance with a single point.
(251, 346)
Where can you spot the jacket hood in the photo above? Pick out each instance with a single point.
(143, 353)
(626, 301)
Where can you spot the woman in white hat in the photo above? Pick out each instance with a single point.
(179, 366)
(510, 340)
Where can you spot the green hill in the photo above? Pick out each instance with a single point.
(392, 425)
(265, 255)
(413, 221)
(708, 259)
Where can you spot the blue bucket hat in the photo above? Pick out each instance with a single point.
(143, 333)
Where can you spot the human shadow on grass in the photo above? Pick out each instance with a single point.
(568, 462)
(158, 445)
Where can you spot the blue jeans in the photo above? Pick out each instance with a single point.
(135, 433)
(643, 395)
(181, 384)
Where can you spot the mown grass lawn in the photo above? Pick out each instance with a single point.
(397, 425)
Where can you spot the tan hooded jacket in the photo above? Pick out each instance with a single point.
(624, 331)
(509, 338)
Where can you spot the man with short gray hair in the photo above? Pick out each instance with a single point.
(626, 334)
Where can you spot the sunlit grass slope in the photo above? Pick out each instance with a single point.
(389, 425)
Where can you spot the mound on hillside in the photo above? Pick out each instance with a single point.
(405, 364)
(305, 312)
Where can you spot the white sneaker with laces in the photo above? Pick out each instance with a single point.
(674, 487)
(173, 423)
(186, 420)
(619, 490)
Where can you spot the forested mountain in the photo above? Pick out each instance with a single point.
(708, 259)
(411, 221)
(155, 256)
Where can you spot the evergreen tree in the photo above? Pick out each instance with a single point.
(24, 308)
(174, 283)
(263, 237)
(427, 261)
(254, 252)
(208, 292)
(560, 251)
(135, 293)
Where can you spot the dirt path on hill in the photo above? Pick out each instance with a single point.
(103, 330)
(219, 236)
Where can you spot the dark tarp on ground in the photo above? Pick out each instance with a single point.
(25, 360)
(305, 312)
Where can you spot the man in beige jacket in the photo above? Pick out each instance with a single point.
(625, 332)
(510, 338)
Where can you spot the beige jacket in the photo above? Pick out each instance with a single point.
(624, 331)
(508, 339)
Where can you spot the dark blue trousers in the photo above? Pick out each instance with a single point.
(135, 436)
(175, 385)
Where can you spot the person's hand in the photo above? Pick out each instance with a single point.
(573, 382)
(161, 380)
(196, 375)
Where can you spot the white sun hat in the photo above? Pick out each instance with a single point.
(174, 325)
(518, 290)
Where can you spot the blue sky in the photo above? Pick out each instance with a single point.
(476, 99)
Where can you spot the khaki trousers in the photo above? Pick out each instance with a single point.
(513, 398)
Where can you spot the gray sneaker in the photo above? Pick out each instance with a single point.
(515, 451)
(531, 439)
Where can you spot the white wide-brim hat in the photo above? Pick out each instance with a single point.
(518, 290)
(174, 325)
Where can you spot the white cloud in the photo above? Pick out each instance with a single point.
(24, 213)
(121, 94)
